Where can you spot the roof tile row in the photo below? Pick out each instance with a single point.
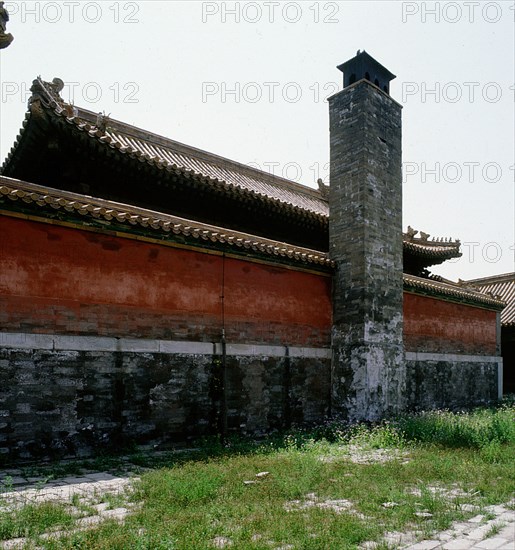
(452, 290)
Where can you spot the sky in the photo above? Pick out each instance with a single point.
(249, 81)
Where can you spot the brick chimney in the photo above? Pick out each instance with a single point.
(365, 241)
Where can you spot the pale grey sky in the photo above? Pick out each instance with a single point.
(248, 80)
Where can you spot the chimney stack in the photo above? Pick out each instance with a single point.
(365, 242)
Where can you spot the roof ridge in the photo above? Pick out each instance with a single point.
(424, 240)
(492, 279)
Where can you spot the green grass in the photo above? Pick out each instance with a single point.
(33, 519)
(480, 429)
(440, 462)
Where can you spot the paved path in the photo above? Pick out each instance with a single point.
(86, 496)
(89, 487)
(478, 533)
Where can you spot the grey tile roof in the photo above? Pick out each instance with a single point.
(502, 286)
(167, 154)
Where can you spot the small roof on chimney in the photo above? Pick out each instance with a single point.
(364, 66)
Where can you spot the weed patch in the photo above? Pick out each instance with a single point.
(34, 519)
(479, 429)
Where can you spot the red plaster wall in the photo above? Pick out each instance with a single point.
(68, 281)
(434, 325)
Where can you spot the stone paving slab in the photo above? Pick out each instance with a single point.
(491, 544)
(83, 487)
(509, 530)
(427, 545)
(456, 544)
(477, 519)
(479, 533)
(469, 536)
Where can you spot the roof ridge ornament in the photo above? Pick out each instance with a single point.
(102, 121)
(323, 188)
(57, 85)
(5, 37)
(410, 233)
(48, 92)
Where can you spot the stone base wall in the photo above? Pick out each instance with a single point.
(443, 380)
(371, 381)
(63, 396)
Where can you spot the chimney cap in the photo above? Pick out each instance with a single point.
(363, 65)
